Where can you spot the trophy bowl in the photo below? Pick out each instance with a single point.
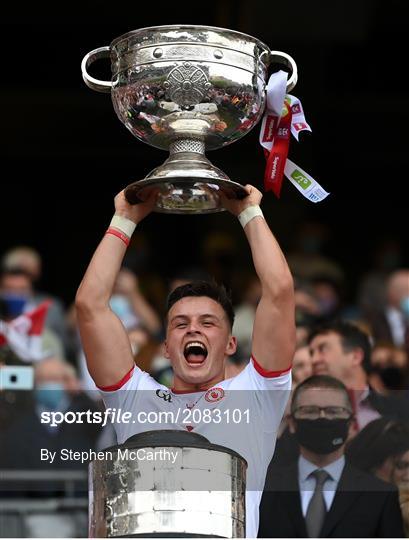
(187, 89)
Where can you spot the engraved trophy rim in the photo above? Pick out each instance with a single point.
(191, 26)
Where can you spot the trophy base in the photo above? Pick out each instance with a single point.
(185, 195)
(187, 182)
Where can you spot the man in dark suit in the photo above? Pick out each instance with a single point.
(321, 495)
(342, 350)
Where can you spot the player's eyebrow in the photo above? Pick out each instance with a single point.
(208, 315)
(184, 317)
(201, 316)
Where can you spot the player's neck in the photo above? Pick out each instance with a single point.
(182, 387)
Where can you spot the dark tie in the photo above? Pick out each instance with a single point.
(316, 510)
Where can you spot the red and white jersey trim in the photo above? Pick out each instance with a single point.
(268, 374)
(263, 372)
(119, 384)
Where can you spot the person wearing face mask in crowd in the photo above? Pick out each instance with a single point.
(389, 369)
(16, 300)
(322, 495)
(21, 268)
(55, 389)
(128, 301)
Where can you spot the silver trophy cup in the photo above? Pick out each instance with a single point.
(187, 89)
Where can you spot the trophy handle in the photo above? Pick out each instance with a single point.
(95, 84)
(284, 58)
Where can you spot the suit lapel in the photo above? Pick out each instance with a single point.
(375, 400)
(290, 493)
(345, 496)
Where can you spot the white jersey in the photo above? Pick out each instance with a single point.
(246, 421)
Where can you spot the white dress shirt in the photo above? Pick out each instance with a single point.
(364, 411)
(307, 483)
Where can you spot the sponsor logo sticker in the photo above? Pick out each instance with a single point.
(301, 180)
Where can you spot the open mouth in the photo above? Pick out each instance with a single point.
(195, 353)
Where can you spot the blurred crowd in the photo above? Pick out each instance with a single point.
(362, 341)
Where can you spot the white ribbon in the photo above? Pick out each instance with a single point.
(305, 183)
(276, 94)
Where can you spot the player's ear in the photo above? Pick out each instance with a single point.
(231, 346)
(357, 356)
(166, 351)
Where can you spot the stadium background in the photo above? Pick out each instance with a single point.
(65, 153)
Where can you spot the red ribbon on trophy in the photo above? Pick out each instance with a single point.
(278, 131)
(284, 116)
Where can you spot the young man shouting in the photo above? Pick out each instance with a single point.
(198, 341)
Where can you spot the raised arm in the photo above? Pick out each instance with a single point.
(104, 339)
(274, 325)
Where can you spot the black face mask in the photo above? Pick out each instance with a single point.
(322, 436)
(392, 377)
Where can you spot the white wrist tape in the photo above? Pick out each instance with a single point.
(248, 214)
(125, 225)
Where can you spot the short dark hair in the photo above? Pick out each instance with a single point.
(377, 441)
(204, 288)
(320, 381)
(351, 336)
